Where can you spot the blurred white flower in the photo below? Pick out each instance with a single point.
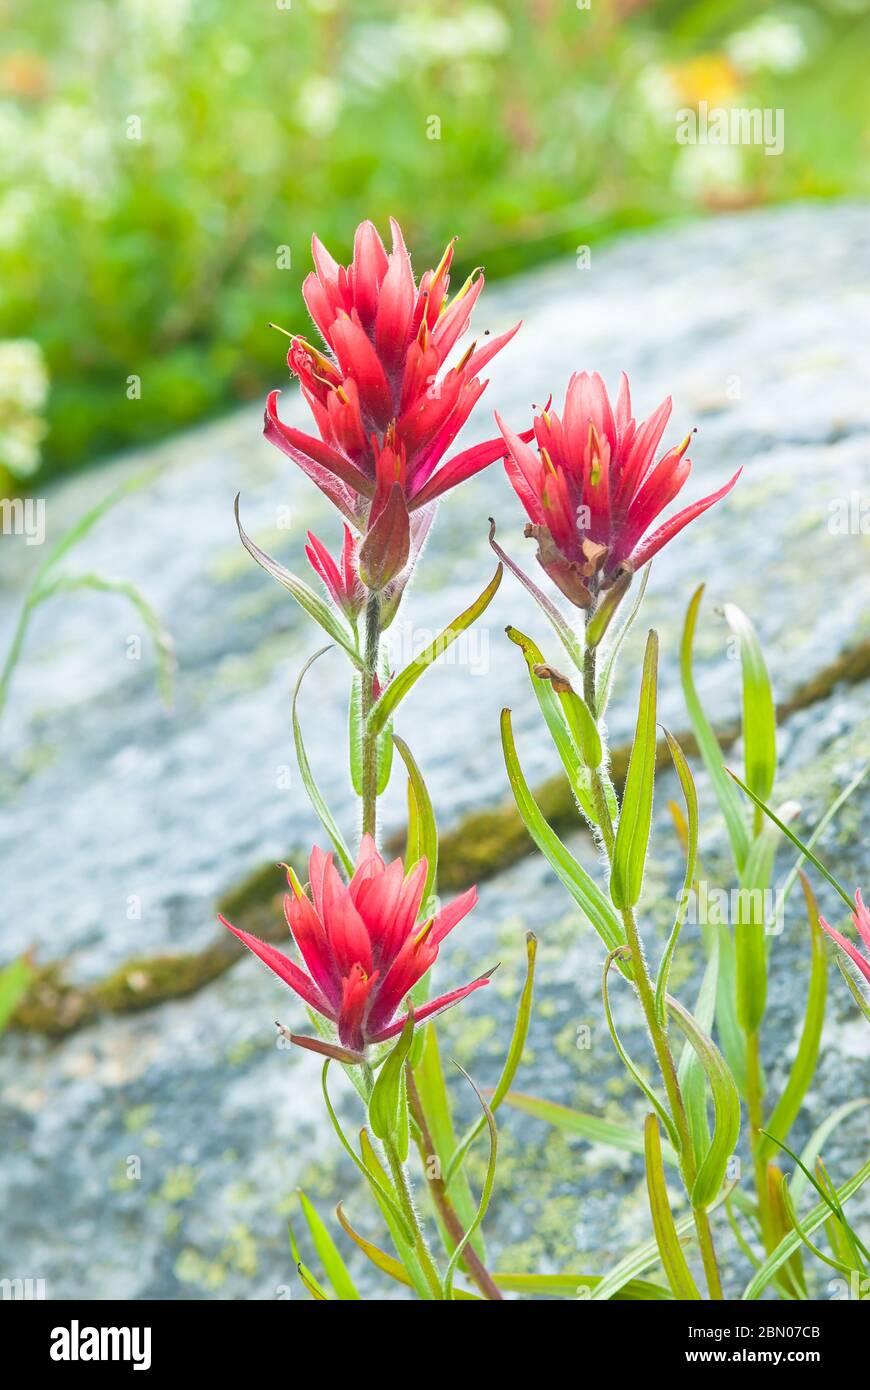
(23, 394)
(703, 170)
(770, 44)
(318, 105)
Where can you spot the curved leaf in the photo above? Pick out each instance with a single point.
(792, 1242)
(316, 607)
(399, 686)
(422, 829)
(594, 1130)
(512, 1061)
(315, 796)
(388, 1103)
(582, 888)
(336, 1270)
(566, 636)
(613, 647)
(486, 1191)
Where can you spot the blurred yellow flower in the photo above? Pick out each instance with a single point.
(709, 77)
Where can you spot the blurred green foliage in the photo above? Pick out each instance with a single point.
(157, 155)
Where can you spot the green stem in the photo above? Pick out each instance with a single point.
(755, 1108)
(370, 741)
(646, 993)
(406, 1202)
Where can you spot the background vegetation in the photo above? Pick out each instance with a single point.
(163, 162)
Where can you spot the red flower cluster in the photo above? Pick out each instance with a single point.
(362, 944)
(593, 487)
(386, 412)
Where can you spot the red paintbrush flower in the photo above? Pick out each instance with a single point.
(593, 488)
(861, 918)
(386, 411)
(363, 945)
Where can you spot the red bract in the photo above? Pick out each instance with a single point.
(385, 413)
(362, 944)
(593, 487)
(861, 918)
(341, 580)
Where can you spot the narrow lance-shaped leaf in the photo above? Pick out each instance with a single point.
(566, 636)
(325, 816)
(729, 802)
(404, 1248)
(674, 1262)
(432, 1090)
(388, 1105)
(422, 829)
(635, 817)
(804, 1066)
(486, 1191)
(316, 607)
(336, 1270)
(580, 885)
(400, 684)
(690, 795)
(554, 716)
(759, 714)
(624, 1057)
(726, 1106)
(594, 1130)
(512, 1061)
(384, 1195)
(792, 1242)
(804, 849)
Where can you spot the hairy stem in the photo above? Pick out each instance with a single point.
(406, 1202)
(470, 1260)
(369, 741)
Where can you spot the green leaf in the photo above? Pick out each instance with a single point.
(854, 987)
(606, 611)
(486, 1191)
(805, 850)
(336, 1270)
(399, 686)
(626, 1060)
(387, 1264)
(388, 1104)
(578, 776)
(792, 1242)
(383, 1191)
(821, 825)
(315, 796)
(729, 802)
(566, 636)
(726, 1107)
(759, 714)
(804, 1066)
(422, 829)
(690, 795)
(819, 1138)
(580, 885)
(316, 607)
(727, 1024)
(316, 1289)
(605, 678)
(690, 1073)
(635, 817)
(512, 1061)
(636, 1290)
(432, 1090)
(626, 1138)
(828, 1193)
(674, 1262)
